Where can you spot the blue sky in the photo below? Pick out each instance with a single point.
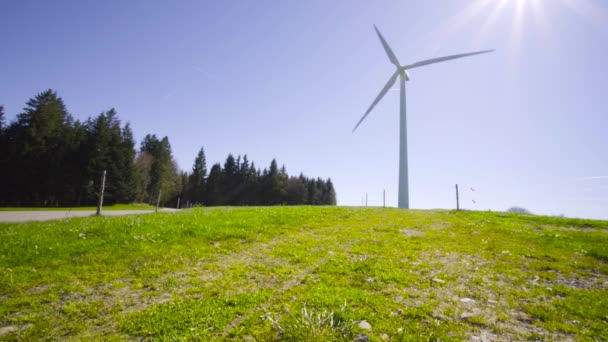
(523, 126)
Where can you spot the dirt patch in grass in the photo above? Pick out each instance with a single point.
(411, 232)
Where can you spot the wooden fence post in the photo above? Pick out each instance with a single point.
(158, 200)
(103, 185)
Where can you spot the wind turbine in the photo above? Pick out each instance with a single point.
(404, 76)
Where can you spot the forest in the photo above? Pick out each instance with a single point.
(49, 159)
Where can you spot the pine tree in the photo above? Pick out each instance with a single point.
(296, 191)
(4, 162)
(214, 186)
(111, 148)
(39, 150)
(229, 180)
(196, 183)
(163, 173)
(143, 168)
(2, 122)
(330, 193)
(126, 162)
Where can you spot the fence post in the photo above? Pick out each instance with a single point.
(384, 198)
(457, 204)
(103, 185)
(158, 200)
(178, 203)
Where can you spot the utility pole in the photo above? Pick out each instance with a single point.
(178, 203)
(103, 185)
(457, 204)
(366, 199)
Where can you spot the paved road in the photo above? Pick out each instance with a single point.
(23, 216)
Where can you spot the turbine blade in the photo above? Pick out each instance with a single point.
(387, 48)
(443, 59)
(384, 90)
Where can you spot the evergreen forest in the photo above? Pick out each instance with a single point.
(49, 159)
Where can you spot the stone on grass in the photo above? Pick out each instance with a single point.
(361, 338)
(437, 280)
(466, 316)
(365, 325)
(8, 330)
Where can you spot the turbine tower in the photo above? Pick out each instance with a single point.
(401, 72)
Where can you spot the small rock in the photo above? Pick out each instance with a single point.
(575, 322)
(467, 300)
(465, 316)
(216, 244)
(399, 299)
(371, 280)
(365, 325)
(8, 330)
(492, 301)
(400, 311)
(361, 338)
(384, 337)
(437, 280)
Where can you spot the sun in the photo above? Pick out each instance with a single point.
(518, 15)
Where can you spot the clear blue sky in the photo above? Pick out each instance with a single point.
(526, 125)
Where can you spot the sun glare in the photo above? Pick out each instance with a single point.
(518, 14)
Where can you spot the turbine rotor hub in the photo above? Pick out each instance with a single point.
(404, 73)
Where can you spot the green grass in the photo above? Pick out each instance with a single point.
(305, 273)
(134, 206)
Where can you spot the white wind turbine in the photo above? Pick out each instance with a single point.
(401, 71)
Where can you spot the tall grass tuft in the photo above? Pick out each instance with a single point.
(311, 325)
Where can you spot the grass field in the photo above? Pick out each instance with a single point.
(105, 207)
(305, 273)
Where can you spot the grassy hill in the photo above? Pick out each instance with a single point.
(305, 273)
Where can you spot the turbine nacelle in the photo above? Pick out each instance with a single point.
(404, 73)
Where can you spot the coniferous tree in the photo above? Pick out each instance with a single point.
(2, 119)
(111, 148)
(143, 168)
(329, 197)
(196, 183)
(229, 180)
(38, 150)
(163, 173)
(4, 162)
(296, 191)
(214, 186)
(253, 185)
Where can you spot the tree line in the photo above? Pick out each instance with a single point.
(49, 159)
(238, 182)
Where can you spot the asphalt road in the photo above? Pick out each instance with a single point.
(24, 216)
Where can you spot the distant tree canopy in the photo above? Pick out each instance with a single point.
(519, 210)
(49, 159)
(240, 183)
